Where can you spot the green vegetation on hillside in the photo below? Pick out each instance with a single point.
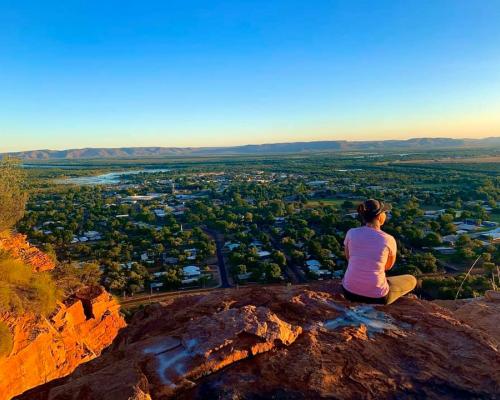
(277, 218)
(25, 291)
(12, 195)
(70, 277)
(21, 290)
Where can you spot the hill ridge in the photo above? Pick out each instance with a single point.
(254, 149)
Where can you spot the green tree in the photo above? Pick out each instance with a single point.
(426, 262)
(279, 258)
(12, 194)
(273, 271)
(432, 239)
(173, 279)
(71, 277)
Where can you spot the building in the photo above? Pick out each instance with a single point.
(467, 227)
(191, 271)
(156, 285)
(493, 235)
(231, 246)
(135, 199)
(169, 260)
(191, 254)
(444, 250)
(263, 253)
(450, 239)
(92, 235)
(160, 213)
(317, 183)
(245, 276)
(313, 265)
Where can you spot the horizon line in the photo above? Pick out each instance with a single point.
(254, 144)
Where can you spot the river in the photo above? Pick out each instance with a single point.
(110, 178)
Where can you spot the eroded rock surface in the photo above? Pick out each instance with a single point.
(48, 348)
(290, 343)
(18, 247)
(481, 313)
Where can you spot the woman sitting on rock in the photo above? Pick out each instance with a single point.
(370, 252)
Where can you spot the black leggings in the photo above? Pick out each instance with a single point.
(362, 299)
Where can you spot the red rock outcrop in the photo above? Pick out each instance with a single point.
(17, 246)
(481, 313)
(303, 342)
(48, 348)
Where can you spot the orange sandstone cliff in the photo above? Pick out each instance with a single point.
(18, 247)
(48, 348)
(300, 342)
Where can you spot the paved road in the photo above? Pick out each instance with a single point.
(292, 272)
(219, 244)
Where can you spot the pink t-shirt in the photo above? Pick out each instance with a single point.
(369, 249)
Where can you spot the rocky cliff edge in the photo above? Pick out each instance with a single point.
(300, 342)
(48, 348)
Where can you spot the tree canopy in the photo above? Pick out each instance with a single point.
(12, 194)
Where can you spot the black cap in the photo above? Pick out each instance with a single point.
(375, 207)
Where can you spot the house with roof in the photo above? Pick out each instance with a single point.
(263, 253)
(92, 235)
(191, 271)
(313, 265)
(493, 235)
(445, 249)
(231, 246)
(169, 260)
(156, 285)
(467, 227)
(191, 254)
(450, 239)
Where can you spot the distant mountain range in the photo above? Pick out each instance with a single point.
(256, 149)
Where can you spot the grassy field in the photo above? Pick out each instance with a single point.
(329, 201)
(454, 160)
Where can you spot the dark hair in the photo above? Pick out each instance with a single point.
(370, 209)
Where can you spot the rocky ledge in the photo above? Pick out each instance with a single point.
(48, 348)
(44, 349)
(300, 342)
(18, 247)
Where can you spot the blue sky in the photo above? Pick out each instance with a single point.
(196, 73)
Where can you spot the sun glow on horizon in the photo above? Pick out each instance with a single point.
(202, 74)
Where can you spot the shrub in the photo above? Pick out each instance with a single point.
(22, 290)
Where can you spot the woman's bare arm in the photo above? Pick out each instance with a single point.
(391, 260)
(346, 252)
